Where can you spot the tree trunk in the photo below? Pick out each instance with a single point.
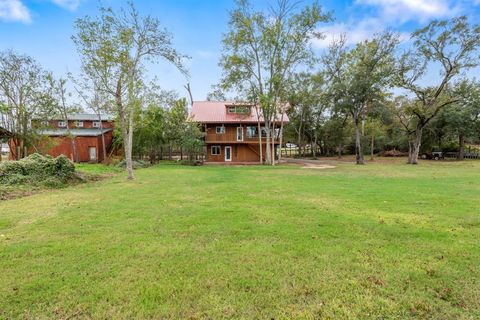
(358, 142)
(104, 147)
(72, 141)
(259, 135)
(127, 131)
(372, 147)
(268, 146)
(461, 143)
(273, 143)
(260, 142)
(416, 145)
(128, 152)
(410, 151)
(280, 138)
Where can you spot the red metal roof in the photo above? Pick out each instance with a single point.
(216, 112)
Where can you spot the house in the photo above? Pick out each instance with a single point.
(4, 135)
(87, 131)
(231, 131)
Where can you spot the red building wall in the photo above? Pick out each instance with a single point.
(63, 145)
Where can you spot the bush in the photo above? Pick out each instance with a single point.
(37, 170)
(137, 164)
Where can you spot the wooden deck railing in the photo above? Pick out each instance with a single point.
(229, 137)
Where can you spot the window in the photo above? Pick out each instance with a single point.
(220, 130)
(239, 133)
(62, 124)
(264, 132)
(96, 124)
(252, 132)
(79, 124)
(216, 150)
(239, 109)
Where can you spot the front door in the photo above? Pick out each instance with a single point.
(228, 153)
(92, 153)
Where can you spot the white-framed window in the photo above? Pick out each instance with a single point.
(62, 124)
(96, 124)
(220, 129)
(79, 124)
(244, 110)
(216, 150)
(239, 133)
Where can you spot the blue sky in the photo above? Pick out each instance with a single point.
(43, 29)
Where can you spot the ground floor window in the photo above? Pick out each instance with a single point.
(216, 150)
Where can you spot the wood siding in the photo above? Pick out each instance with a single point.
(242, 151)
(230, 135)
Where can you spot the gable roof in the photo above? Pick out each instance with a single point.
(216, 112)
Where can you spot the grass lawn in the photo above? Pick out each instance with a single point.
(385, 240)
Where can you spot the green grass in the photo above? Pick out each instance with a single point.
(385, 240)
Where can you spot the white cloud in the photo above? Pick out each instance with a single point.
(14, 10)
(354, 31)
(407, 10)
(70, 5)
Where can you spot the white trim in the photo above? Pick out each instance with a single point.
(79, 124)
(62, 124)
(229, 159)
(241, 139)
(92, 156)
(96, 124)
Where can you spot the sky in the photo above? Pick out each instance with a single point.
(43, 29)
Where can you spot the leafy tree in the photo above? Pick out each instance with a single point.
(149, 135)
(374, 128)
(262, 49)
(451, 44)
(463, 116)
(24, 96)
(114, 48)
(358, 77)
(307, 107)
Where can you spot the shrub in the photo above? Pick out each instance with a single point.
(136, 164)
(37, 170)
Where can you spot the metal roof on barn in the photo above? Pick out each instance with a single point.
(74, 132)
(87, 117)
